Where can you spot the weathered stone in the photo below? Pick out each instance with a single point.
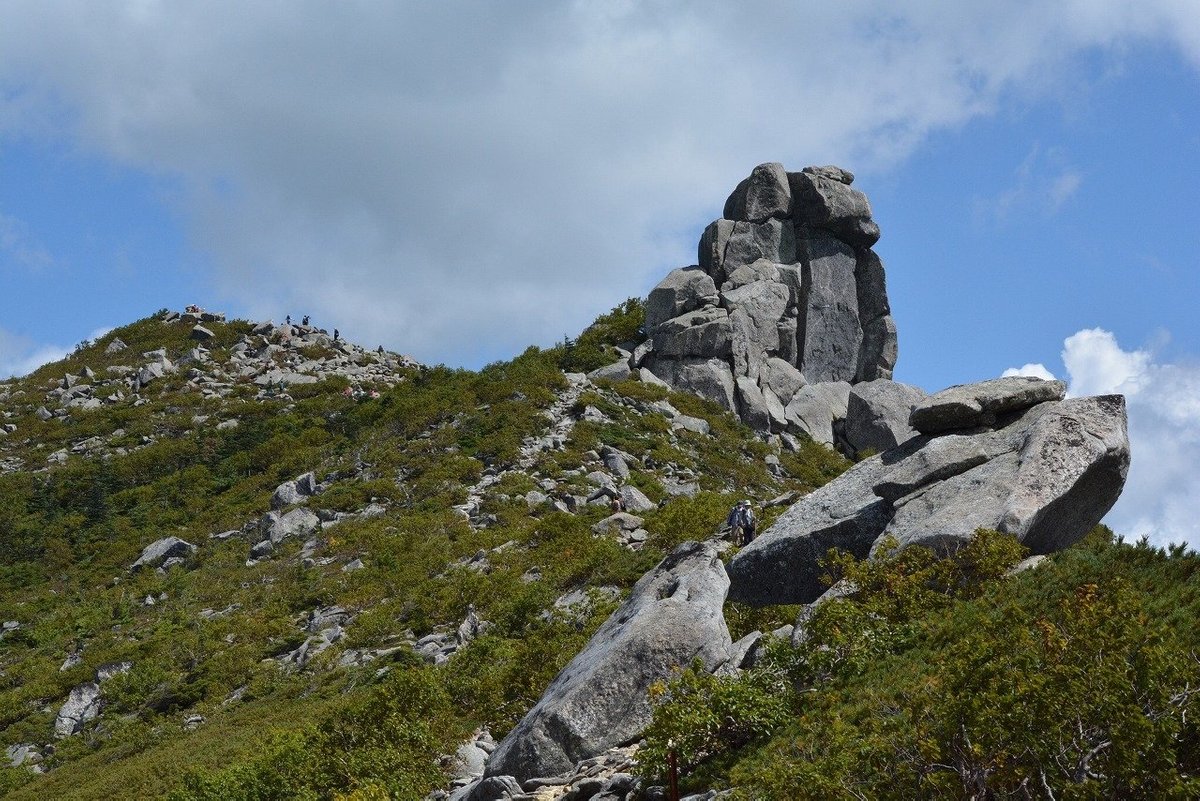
(1046, 475)
(1066, 474)
(648, 377)
(755, 310)
(830, 330)
(617, 371)
(782, 378)
(831, 205)
(635, 500)
(201, 333)
(877, 415)
(703, 333)
(672, 616)
(979, 404)
(773, 240)
(694, 424)
(681, 291)
(711, 250)
(751, 404)
(815, 407)
(766, 193)
(781, 565)
(299, 522)
(82, 705)
(159, 551)
(710, 379)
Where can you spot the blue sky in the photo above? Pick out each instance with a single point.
(457, 181)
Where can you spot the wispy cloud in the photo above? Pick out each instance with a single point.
(1042, 184)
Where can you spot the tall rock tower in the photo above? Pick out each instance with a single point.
(786, 309)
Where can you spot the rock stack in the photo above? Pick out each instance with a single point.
(786, 309)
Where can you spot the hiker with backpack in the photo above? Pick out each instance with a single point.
(742, 522)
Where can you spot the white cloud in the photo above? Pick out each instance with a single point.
(1036, 370)
(1161, 499)
(20, 355)
(1097, 365)
(428, 174)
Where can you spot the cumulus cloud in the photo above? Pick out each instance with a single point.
(1161, 500)
(1035, 370)
(460, 179)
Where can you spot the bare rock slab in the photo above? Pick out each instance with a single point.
(600, 699)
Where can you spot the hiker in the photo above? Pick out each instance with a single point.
(336, 335)
(288, 319)
(304, 321)
(741, 522)
(749, 522)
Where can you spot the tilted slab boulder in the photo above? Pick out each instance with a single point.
(599, 700)
(979, 404)
(1046, 473)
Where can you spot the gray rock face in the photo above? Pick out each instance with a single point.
(599, 700)
(681, 291)
(766, 193)
(294, 491)
(877, 415)
(969, 405)
(799, 298)
(159, 551)
(299, 522)
(82, 705)
(1046, 473)
(815, 407)
(829, 204)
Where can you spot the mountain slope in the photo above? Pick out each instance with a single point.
(437, 559)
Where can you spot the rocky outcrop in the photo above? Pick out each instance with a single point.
(1009, 455)
(787, 292)
(159, 552)
(599, 701)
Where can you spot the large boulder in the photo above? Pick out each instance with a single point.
(1065, 471)
(766, 193)
(828, 203)
(159, 551)
(681, 291)
(877, 415)
(1044, 471)
(815, 408)
(82, 705)
(830, 327)
(599, 700)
